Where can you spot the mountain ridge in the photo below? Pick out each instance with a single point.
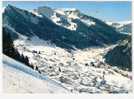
(26, 23)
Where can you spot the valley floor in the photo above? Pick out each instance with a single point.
(81, 71)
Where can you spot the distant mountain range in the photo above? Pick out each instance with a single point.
(123, 27)
(67, 28)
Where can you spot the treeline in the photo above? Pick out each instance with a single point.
(9, 50)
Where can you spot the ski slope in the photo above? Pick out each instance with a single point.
(18, 78)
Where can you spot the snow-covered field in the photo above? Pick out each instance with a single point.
(19, 78)
(81, 71)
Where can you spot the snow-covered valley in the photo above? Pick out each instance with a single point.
(80, 71)
(67, 51)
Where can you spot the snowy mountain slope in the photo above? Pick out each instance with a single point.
(77, 70)
(93, 33)
(118, 24)
(123, 26)
(73, 19)
(18, 78)
(61, 17)
(127, 28)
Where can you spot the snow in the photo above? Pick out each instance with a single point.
(3, 9)
(75, 70)
(51, 13)
(119, 23)
(18, 78)
(35, 40)
(69, 9)
(35, 13)
(69, 14)
(60, 11)
(55, 19)
(123, 27)
(72, 13)
(80, 71)
(73, 16)
(125, 22)
(88, 22)
(73, 26)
